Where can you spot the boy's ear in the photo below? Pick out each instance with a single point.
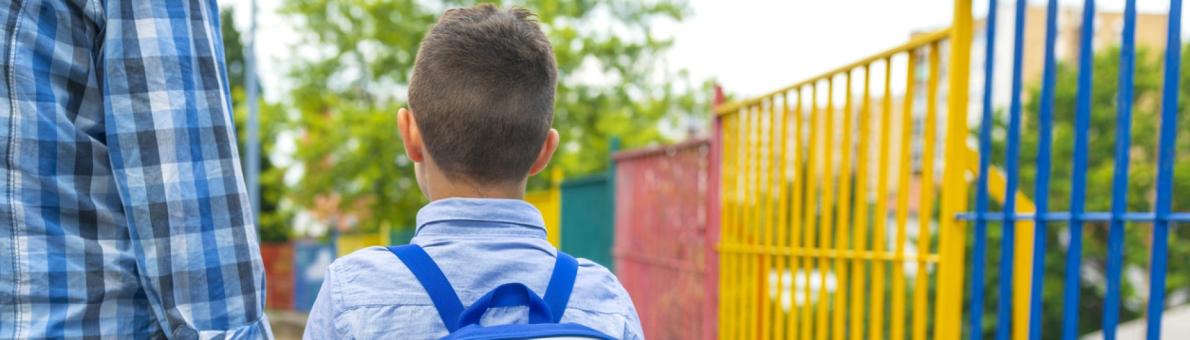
(410, 135)
(547, 152)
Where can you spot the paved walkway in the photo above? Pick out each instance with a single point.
(1175, 324)
(287, 325)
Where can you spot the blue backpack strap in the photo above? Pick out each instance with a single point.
(506, 295)
(427, 272)
(557, 294)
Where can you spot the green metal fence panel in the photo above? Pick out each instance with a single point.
(399, 236)
(588, 212)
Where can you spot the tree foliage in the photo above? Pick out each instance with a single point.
(610, 84)
(274, 221)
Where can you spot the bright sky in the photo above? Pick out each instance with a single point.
(750, 46)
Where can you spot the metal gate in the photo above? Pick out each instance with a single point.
(845, 196)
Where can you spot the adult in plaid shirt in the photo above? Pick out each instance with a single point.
(123, 213)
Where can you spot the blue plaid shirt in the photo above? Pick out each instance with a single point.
(123, 213)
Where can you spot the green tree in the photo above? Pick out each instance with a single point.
(274, 221)
(610, 84)
(1141, 189)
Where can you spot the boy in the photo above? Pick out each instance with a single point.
(481, 100)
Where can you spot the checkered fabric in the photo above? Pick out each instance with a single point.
(123, 212)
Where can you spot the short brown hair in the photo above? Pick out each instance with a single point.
(482, 92)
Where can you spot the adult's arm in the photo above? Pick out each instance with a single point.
(173, 151)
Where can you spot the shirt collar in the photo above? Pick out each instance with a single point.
(503, 216)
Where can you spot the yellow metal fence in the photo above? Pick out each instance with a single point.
(550, 203)
(346, 244)
(832, 190)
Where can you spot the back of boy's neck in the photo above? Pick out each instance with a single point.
(468, 190)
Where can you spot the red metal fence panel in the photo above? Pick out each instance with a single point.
(662, 252)
(278, 269)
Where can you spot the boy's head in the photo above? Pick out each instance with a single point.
(481, 100)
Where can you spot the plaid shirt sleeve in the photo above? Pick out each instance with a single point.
(168, 122)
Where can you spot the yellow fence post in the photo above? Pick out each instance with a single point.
(751, 224)
(798, 173)
(925, 207)
(898, 270)
(808, 212)
(953, 232)
(879, 228)
(765, 218)
(842, 214)
(781, 178)
(828, 193)
(861, 224)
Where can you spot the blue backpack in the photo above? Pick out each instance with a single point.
(545, 314)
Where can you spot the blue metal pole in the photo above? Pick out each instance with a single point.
(1119, 204)
(980, 253)
(252, 154)
(1012, 167)
(1165, 157)
(1078, 178)
(1043, 171)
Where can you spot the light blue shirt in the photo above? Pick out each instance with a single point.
(479, 244)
